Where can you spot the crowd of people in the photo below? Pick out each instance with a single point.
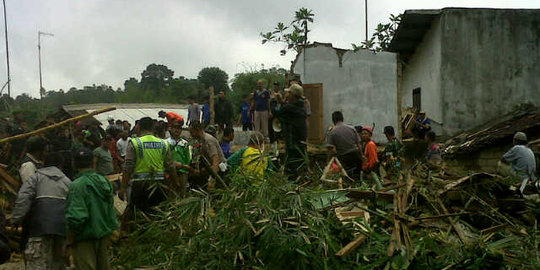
(66, 199)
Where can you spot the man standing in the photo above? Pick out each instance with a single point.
(181, 154)
(112, 126)
(371, 160)
(146, 159)
(261, 100)
(41, 201)
(246, 114)
(122, 144)
(206, 114)
(346, 143)
(90, 215)
(521, 157)
(35, 152)
(194, 112)
(224, 111)
(103, 161)
(392, 151)
(292, 115)
(210, 149)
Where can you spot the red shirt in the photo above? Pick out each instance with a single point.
(173, 116)
(370, 152)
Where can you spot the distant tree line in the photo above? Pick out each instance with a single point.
(157, 84)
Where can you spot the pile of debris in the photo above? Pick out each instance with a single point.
(430, 219)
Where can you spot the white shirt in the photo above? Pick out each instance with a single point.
(122, 146)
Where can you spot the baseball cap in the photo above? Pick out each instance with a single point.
(520, 136)
(110, 117)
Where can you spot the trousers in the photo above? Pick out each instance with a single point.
(91, 254)
(261, 122)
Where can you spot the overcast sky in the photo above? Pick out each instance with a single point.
(109, 41)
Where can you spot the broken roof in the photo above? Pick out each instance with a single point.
(129, 112)
(414, 24)
(493, 133)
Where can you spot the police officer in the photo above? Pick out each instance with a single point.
(147, 158)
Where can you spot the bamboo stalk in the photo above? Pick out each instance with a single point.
(59, 124)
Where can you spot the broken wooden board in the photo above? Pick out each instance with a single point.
(351, 246)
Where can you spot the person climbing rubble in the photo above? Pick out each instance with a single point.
(522, 161)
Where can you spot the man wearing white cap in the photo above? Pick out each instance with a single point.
(521, 158)
(111, 125)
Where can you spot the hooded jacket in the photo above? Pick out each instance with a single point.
(42, 198)
(90, 212)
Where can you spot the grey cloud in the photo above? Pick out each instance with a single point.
(109, 41)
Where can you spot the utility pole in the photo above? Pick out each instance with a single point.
(41, 89)
(7, 50)
(365, 5)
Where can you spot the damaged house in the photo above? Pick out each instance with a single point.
(361, 84)
(467, 67)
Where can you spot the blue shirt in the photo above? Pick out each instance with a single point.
(206, 113)
(425, 122)
(244, 110)
(261, 100)
(226, 148)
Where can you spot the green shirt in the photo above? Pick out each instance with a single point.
(104, 161)
(180, 152)
(90, 212)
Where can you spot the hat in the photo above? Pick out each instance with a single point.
(296, 90)
(368, 129)
(211, 129)
(422, 112)
(520, 136)
(110, 117)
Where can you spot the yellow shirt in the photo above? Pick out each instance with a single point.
(254, 162)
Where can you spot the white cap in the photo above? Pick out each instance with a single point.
(110, 117)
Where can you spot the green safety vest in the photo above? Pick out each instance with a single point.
(150, 152)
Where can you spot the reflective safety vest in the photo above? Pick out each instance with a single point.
(150, 152)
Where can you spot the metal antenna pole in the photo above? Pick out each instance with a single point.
(7, 50)
(40, 79)
(41, 90)
(365, 5)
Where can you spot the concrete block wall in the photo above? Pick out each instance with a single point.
(363, 85)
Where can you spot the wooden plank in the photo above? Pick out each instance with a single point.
(368, 194)
(351, 246)
(314, 93)
(59, 124)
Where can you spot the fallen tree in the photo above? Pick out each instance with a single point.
(431, 222)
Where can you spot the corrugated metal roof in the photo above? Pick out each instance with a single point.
(129, 112)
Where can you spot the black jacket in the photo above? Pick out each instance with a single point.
(292, 116)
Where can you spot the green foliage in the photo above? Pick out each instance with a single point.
(269, 226)
(214, 76)
(156, 77)
(380, 40)
(294, 35)
(245, 82)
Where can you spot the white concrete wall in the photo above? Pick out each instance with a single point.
(364, 88)
(424, 70)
